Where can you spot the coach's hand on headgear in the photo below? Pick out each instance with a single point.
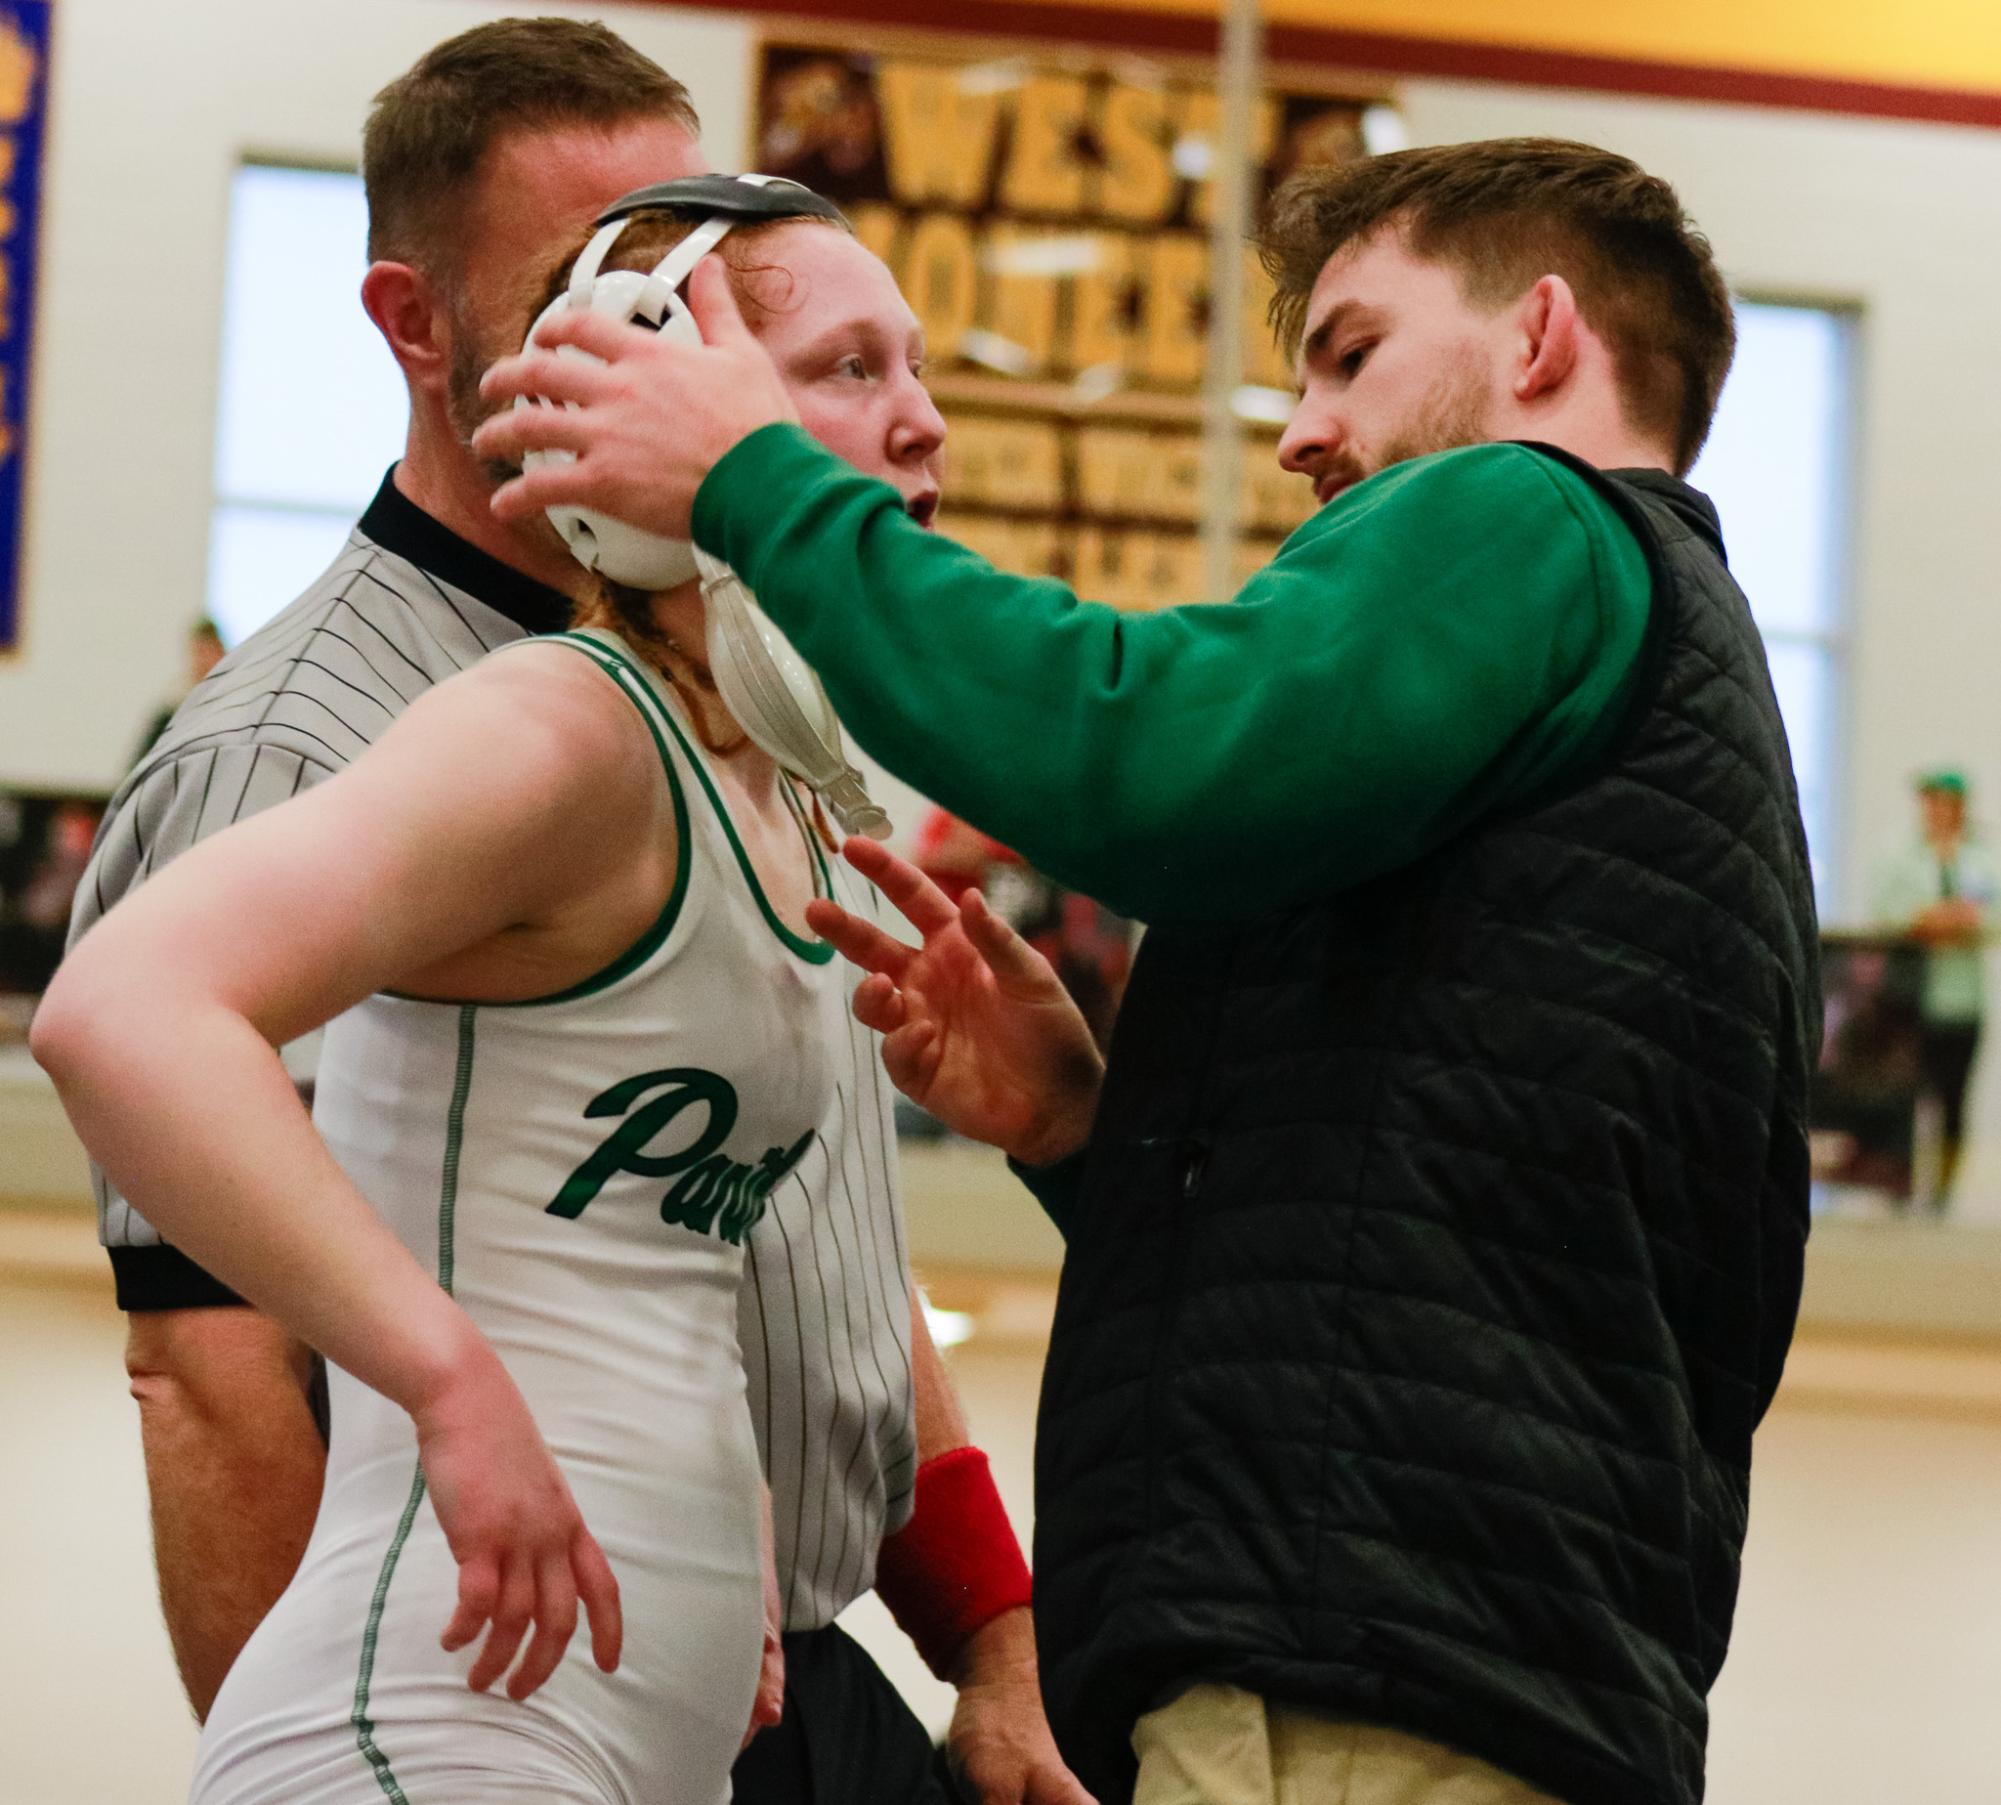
(647, 419)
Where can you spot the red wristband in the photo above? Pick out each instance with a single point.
(956, 1565)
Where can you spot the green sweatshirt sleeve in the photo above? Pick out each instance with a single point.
(1456, 634)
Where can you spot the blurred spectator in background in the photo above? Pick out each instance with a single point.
(1090, 946)
(204, 654)
(44, 847)
(1940, 891)
(1866, 1089)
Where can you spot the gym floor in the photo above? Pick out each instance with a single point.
(1865, 1666)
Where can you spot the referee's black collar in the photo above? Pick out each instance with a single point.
(398, 525)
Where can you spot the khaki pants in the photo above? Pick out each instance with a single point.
(1217, 1745)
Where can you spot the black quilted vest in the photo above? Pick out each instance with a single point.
(1439, 1248)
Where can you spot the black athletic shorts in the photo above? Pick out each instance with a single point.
(1946, 1053)
(847, 1737)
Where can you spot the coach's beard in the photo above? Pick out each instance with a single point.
(1454, 413)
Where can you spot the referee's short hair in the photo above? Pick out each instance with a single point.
(430, 129)
(1504, 213)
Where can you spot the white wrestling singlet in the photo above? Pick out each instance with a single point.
(581, 1171)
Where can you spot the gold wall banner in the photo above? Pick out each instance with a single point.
(1943, 45)
(1047, 216)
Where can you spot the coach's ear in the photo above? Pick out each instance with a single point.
(1549, 331)
(407, 312)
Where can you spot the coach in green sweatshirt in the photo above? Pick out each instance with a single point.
(1435, 1228)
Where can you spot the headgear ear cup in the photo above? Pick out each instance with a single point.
(763, 681)
(624, 553)
(627, 555)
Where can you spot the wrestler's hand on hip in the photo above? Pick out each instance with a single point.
(647, 419)
(525, 1558)
(977, 1028)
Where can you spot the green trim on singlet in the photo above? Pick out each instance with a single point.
(812, 838)
(814, 952)
(455, 1133)
(364, 1726)
(655, 937)
(448, 1197)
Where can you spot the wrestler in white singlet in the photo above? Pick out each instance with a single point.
(581, 1171)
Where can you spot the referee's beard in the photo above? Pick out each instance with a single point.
(472, 356)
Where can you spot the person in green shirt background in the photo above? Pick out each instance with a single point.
(1941, 890)
(1435, 1225)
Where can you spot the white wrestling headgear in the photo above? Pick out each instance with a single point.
(763, 681)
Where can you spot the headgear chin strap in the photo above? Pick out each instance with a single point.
(764, 683)
(778, 701)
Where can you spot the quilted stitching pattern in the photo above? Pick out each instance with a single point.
(1439, 1250)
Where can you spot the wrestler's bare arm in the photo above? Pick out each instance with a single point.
(483, 819)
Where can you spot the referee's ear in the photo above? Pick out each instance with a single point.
(407, 311)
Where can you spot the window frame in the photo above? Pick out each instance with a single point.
(1835, 640)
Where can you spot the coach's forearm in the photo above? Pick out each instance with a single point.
(234, 1467)
(1452, 637)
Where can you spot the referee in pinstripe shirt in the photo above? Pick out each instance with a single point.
(496, 149)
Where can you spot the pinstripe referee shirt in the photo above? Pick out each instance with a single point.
(825, 1312)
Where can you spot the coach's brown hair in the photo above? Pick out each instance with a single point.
(431, 128)
(1506, 212)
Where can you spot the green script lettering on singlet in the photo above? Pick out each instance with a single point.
(624, 1150)
(707, 1185)
(721, 1188)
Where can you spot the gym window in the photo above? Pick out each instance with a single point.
(1777, 467)
(312, 407)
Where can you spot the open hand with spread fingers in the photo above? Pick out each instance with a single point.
(525, 1558)
(976, 1026)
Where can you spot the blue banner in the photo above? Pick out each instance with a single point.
(24, 90)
